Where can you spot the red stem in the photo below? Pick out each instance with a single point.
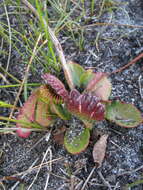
(129, 64)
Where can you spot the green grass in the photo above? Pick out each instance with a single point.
(21, 38)
(25, 34)
(134, 184)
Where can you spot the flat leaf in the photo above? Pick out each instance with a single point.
(42, 115)
(35, 112)
(61, 111)
(86, 106)
(76, 71)
(76, 139)
(27, 112)
(123, 114)
(27, 115)
(86, 77)
(99, 150)
(100, 86)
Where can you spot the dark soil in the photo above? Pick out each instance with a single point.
(117, 45)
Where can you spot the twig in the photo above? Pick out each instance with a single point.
(111, 24)
(26, 75)
(63, 186)
(10, 36)
(1, 45)
(8, 74)
(35, 168)
(117, 145)
(56, 44)
(72, 180)
(2, 185)
(140, 86)
(77, 187)
(31, 148)
(101, 9)
(116, 186)
(65, 173)
(131, 171)
(104, 181)
(129, 64)
(4, 78)
(85, 183)
(101, 185)
(75, 3)
(15, 185)
(44, 157)
(49, 169)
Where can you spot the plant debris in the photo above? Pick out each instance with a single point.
(99, 150)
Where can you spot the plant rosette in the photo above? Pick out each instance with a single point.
(87, 100)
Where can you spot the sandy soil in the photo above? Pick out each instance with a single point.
(117, 45)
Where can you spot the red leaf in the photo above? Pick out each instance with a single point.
(56, 85)
(23, 132)
(27, 112)
(86, 105)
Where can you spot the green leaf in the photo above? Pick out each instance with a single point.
(123, 114)
(75, 71)
(86, 77)
(42, 114)
(100, 86)
(76, 139)
(61, 111)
